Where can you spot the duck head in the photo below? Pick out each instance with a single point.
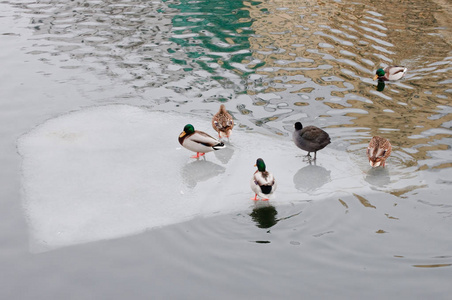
(377, 156)
(298, 126)
(260, 165)
(379, 73)
(188, 129)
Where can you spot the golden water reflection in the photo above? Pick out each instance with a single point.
(324, 53)
(432, 266)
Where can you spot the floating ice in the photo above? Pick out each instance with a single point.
(111, 171)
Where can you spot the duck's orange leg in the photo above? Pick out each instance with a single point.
(198, 155)
(255, 198)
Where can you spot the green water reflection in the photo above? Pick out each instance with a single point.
(214, 35)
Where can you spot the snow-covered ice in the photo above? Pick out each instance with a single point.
(111, 171)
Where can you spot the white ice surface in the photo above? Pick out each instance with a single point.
(112, 171)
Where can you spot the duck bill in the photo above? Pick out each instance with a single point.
(182, 134)
(375, 77)
(374, 164)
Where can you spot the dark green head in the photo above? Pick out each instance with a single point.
(298, 126)
(380, 72)
(260, 165)
(189, 129)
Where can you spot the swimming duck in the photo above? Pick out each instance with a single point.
(198, 141)
(310, 138)
(378, 151)
(262, 183)
(222, 122)
(390, 73)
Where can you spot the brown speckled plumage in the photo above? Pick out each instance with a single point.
(378, 151)
(222, 122)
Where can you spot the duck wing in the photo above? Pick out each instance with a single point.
(203, 138)
(395, 72)
(314, 134)
(264, 178)
(222, 122)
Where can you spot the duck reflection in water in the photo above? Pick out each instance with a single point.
(380, 85)
(311, 177)
(378, 177)
(225, 154)
(264, 214)
(200, 170)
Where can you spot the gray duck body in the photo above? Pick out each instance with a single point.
(310, 138)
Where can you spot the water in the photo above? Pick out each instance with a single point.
(336, 229)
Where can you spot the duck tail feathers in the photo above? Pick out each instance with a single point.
(218, 146)
(266, 189)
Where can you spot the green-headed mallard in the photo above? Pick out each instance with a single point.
(310, 138)
(378, 151)
(198, 141)
(262, 183)
(390, 73)
(222, 122)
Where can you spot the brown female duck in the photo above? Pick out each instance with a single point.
(222, 122)
(378, 151)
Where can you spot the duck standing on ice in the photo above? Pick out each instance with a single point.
(263, 183)
(310, 138)
(198, 141)
(222, 122)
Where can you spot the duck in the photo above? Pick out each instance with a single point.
(378, 151)
(310, 138)
(263, 183)
(390, 73)
(222, 122)
(198, 141)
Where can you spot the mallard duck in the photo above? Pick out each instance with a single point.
(222, 122)
(198, 141)
(262, 183)
(390, 73)
(378, 151)
(310, 138)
